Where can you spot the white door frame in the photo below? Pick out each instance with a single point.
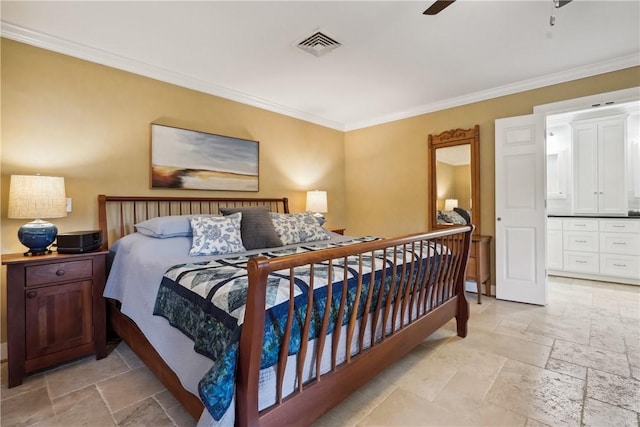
(594, 101)
(586, 102)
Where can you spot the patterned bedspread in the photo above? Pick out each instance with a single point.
(206, 301)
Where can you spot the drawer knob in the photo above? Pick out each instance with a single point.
(32, 294)
(60, 273)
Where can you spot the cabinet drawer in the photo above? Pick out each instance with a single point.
(554, 224)
(620, 265)
(583, 262)
(59, 272)
(620, 243)
(580, 224)
(581, 241)
(620, 226)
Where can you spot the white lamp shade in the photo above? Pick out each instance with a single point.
(36, 197)
(317, 201)
(449, 204)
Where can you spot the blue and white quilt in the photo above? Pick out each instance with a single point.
(206, 301)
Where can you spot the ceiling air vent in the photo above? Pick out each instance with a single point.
(318, 44)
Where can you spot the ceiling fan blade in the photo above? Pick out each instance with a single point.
(560, 3)
(437, 7)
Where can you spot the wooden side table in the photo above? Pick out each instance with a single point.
(55, 310)
(479, 266)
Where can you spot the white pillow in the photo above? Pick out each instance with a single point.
(298, 228)
(213, 235)
(163, 227)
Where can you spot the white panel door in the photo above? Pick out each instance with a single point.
(520, 209)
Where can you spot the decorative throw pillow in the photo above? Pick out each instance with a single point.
(256, 228)
(215, 235)
(452, 217)
(464, 214)
(298, 228)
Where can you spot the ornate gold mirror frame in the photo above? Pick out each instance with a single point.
(454, 159)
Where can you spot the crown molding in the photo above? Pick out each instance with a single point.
(55, 44)
(522, 86)
(34, 38)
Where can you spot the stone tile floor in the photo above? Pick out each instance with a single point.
(574, 362)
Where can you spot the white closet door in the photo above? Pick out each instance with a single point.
(585, 168)
(520, 209)
(611, 167)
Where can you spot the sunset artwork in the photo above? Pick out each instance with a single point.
(188, 159)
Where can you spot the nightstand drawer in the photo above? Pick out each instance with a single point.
(59, 272)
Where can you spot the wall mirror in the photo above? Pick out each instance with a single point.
(455, 178)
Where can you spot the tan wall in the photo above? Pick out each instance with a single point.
(90, 124)
(387, 165)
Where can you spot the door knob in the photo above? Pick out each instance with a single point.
(498, 219)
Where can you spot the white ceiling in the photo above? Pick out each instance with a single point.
(394, 61)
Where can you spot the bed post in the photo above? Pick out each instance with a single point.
(250, 352)
(462, 317)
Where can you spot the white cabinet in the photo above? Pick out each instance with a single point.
(554, 243)
(580, 239)
(594, 248)
(599, 166)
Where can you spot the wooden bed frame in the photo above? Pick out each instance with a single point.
(425, 306)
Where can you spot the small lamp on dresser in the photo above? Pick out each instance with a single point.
(36, 197)
(317, 203)
(449, 204)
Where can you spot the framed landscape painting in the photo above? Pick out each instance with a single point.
(188, 159)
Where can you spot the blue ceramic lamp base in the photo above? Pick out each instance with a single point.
(37, 235)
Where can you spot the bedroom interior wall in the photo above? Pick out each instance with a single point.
(387, 166)
(91, 124)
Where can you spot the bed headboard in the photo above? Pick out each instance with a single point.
(117, 215)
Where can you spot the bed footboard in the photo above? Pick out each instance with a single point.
(421, 295)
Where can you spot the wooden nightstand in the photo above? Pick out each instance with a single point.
(337, 230)
(479, 266)
(55, 310)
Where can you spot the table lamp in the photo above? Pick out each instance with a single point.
(317, 203)
(36, 197)
(449, 204)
